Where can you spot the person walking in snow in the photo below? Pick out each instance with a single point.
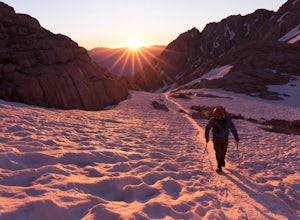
(220, 125)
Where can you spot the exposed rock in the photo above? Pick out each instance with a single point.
(46, 69)
(205, 112)
(255, 65)
(180, 95)
(282, 126)
(182, 111)
(159, 106)
(273, 125)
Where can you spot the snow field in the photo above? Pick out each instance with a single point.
(135, 162)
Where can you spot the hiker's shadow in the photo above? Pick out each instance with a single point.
(269, 201)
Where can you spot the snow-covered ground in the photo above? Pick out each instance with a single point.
(135, 162)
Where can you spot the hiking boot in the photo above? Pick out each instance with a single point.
(219, 170)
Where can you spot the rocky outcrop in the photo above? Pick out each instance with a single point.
(178, 57)
(280, 23)
(159, 106)
(255, 66)
(41, 68)
(262, 47)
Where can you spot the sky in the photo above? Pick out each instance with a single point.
(112, 23)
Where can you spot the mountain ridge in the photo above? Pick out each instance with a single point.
(196, 53)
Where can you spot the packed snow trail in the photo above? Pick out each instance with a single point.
(136, 162)
(199, 129)
(236, 191)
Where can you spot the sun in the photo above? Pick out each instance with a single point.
(132, 56)
(134, 43)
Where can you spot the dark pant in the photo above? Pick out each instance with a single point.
(220, 148)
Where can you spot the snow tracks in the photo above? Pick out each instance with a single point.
(233, 195)
(130, 162)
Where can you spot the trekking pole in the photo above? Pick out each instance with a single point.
(238, 153)
(204, 152)
(205, 148)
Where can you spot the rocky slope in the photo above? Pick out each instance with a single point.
(41, 68)
(263, 48)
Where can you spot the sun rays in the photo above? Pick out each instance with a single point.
(133, 57)
(137, 59)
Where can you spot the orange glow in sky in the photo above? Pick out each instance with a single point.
(108, 23)
(135, 55)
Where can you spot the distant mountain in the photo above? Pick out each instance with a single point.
(262, 48)
(124, 61)
(38, 67)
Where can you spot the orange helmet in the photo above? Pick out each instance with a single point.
(217, 112)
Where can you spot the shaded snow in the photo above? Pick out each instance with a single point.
(216, 73)
(135, 162)
(281, 19)
(252, 107)
(248, 29)
(229, 32)
(289, 92)
(292, 36)
(295, 39)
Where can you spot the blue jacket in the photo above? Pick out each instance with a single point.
(220, 129)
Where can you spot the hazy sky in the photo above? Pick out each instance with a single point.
(109, 23)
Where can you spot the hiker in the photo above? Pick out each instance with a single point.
(220, 124)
